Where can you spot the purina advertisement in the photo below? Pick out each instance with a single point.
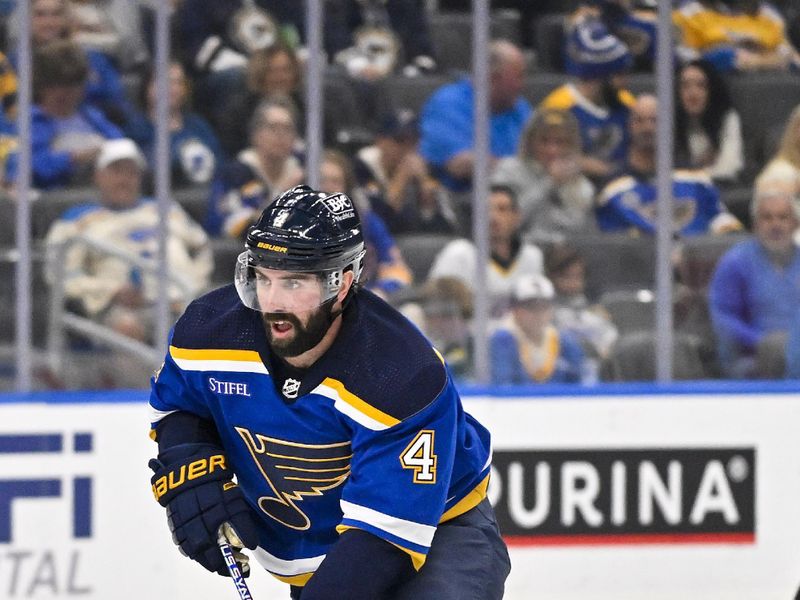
(626, 496)
(661, 496)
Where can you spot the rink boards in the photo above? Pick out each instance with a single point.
(618, 492)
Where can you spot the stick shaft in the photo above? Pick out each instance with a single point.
(233, 568)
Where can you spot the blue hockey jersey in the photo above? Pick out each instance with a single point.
(629, 204)
(604, 131)
(376, 438)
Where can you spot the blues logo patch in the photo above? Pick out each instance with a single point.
(293, 470)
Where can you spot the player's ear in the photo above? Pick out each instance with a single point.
(347, 283)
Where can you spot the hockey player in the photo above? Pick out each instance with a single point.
(357, 472)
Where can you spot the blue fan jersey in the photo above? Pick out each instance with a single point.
(604, 131)
(376, 438)
(629, 203)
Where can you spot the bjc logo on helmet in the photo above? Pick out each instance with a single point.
(338, 203)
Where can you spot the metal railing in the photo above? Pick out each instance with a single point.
(61, 320)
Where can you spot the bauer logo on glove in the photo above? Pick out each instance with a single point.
(196, 486)
(191, 471)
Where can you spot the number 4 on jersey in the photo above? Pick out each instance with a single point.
(419, 456)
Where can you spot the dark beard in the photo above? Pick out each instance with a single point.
(305, 337)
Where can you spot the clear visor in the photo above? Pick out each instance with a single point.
(274, 291)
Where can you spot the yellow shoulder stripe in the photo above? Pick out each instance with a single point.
(214, 354)
(614, 187)
(358, 404)
(560, 98)
(627, 98)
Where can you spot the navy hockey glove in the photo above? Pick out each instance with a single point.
(194, 483)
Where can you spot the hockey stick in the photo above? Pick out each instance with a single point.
(233, 568)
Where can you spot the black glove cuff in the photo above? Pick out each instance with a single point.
(205, 466)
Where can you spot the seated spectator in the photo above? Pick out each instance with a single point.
(633, 22)
(385, 270)
(444, 310)
(555, 199)
(785, 165)
(629, 203)
(194, 149)
(111, 27)
(510, 258)
(218, 38)
(374, 38)
(446, 124)
(9, 158)
(693, 267)
(589, 323)
(708, 131)
(397, 181)
(272, 73)
(107, 288)
(747, 35)
(9, 140)
(598, 62)
(66, 131)
(8, 88)
(526, 346)
(754, 296)
(258, 174)
(50, 22)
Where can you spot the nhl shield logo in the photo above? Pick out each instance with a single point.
(290, 388)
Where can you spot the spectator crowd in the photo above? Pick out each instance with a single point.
(572, 139)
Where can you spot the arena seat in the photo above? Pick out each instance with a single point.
(194, 200)
(630, 310)
(8, 224)
(764, 101)
(346, 119)
(51, 205)
(411, 92)
(419, 251)
(548, 33)
(633, 358)
(641, 83)
(40, 307)
(737, 199)
(225, 252)
(540, 84)
(699, 257)
(451, 35)
(617, 261)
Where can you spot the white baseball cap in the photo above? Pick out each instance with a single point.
(113, 150)
(532, 287)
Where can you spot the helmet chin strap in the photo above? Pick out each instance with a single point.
(333, 314)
